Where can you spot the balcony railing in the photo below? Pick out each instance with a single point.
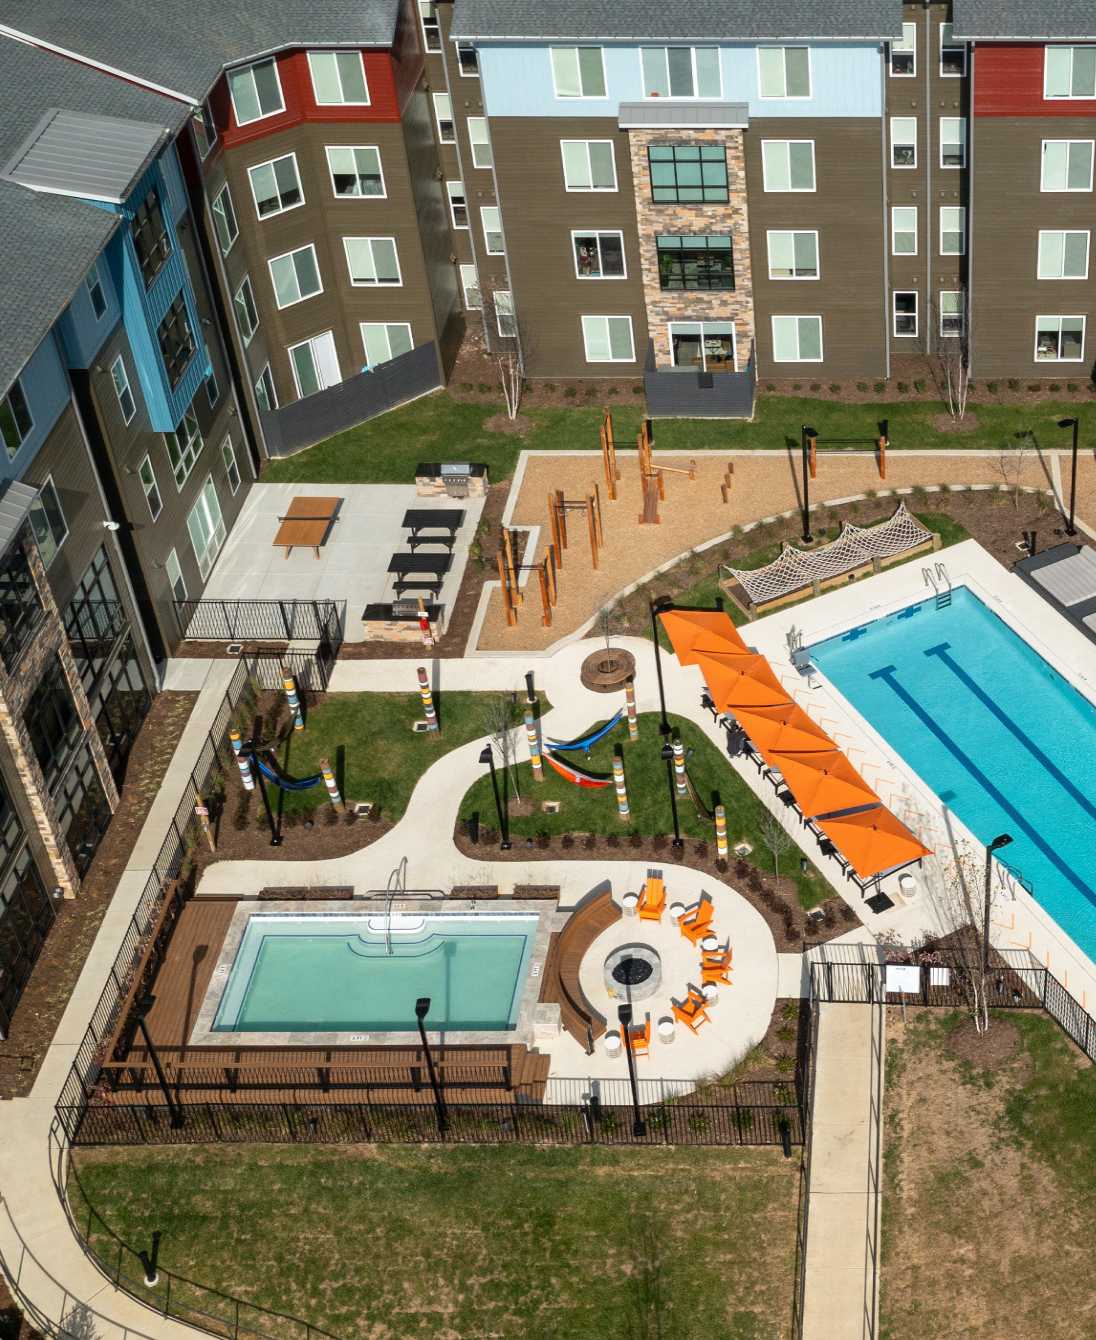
(690, 393)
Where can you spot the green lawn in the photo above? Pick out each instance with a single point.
(588, 811)
(469, 1243)
(439, 427)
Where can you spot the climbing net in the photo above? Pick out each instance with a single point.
(855, 546)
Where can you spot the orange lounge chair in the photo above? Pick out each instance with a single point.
(716, 958)
(638, 1038)
(696, 922)
(715, 974)
(691, 1011)
(652, 901)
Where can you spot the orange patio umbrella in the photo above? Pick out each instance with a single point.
(823, 781)
(874, 841)
(713, 628)
(785, 727)
(740, 680)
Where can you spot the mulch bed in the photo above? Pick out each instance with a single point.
(985, 1051)
(13, 1325)
(70, 939)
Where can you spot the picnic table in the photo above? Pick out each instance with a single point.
(306, 524)
(431, 567)
(419, 519)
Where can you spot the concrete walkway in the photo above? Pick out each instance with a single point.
(840, 1300)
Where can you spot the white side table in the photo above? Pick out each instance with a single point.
(711, 992)
(630, 902)
(612, 1043)
(907, 887)
(709, 943)
(666, 1030)
(677, 911)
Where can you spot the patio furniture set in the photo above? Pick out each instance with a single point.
(426, 571)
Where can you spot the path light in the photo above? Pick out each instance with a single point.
(422, 1009)
(639, 1126)
(667, 752)
(487, 756)
(1002, 840)
(808, 437)
(1075, 424)
(660, 606)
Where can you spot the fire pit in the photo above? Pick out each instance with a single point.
(633, 972)
(607, 670)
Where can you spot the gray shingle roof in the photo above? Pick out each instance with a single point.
(685, 21)
(1007, 19)
(181, 45)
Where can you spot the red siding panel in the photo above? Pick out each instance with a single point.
(1008, 81)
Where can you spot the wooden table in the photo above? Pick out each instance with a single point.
(447, 519)
(306, 524)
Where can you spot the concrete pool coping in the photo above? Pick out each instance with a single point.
(524, 1030)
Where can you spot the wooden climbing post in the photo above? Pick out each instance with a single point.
(812, 455)
(597, 511)
(561, 519)
(728, 480)
(591, 527)
(516, 597)
(608, 461)
(507, 600)
(545, 598)
(550, 561)
(882, 458)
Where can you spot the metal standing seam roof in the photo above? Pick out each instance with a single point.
(1071, 580)
(1005, 20)
(16, 501)
(83, 155)
(669, 113)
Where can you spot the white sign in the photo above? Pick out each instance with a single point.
(903, 979)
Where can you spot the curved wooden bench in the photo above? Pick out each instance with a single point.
(566, 950)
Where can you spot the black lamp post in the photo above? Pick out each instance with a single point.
(422, 1009)
(668, 754)
(639, 1126)
(487, 755)
(658, 607)
(141, 1007)
(1002, 840)
(808, 435)
(1075, 424)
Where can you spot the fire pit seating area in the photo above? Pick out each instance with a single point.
(566, 950)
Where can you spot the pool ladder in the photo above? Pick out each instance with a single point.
(940, 581)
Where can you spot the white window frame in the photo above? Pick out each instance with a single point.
(793, 278)
(695, 95)
(580, 96)
(217, 529)
(150, 487)
(249, 69)
(483, 227)
(174, 572)
(57, 543)
(599, 233)
(232, 465)
(789, 189)
(961, 230)
(909, 31)
(614, 316)
(591, 189)
(1067, 189)
(343, 101)
(703, 352)
(94, 280)
(797, 317)
(188, 454)
(245, 282)
(1060, 317)
(224, 194)
(450, 187)
(266, 379)
(952, 334)
(202, 116)
(470, 287)
(481, 143)
(1072, 48)
(374, 283)
(504, 311)
(896, 210)
(903, 167)
(468, 46)
(353, 148)
(282, 209)
(438, 100)
(906, 334)
(311, 341)
(785, 96)
(386, 324)
(1061, 232)
(434, 27)
(952, 45)
(961, 122)
(289, 256)
(120, 362)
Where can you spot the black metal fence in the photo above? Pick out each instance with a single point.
(25, 921)
(261, 620)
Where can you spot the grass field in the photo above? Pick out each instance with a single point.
(439, 427)
(466, 1243)
(989, 1200)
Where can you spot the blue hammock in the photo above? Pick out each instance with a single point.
(585, 742)
(280, 779)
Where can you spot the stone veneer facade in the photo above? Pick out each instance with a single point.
(731, 218)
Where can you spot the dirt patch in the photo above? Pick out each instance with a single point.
(502, 423)
(991, 1050)
(944, 423)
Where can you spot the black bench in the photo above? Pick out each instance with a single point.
(429, 569)
(420, 519)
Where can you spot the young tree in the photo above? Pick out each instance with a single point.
(777, 838)
(1010, 462)
(499, 724)
(507, 340)
(949, 363)
(608, 624)
(959, 895)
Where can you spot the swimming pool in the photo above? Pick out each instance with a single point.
(1000, 736)
(323, 973)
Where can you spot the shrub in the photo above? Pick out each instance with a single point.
(879, 388)
(660, 842)
(991, 387)
(589, 842)
(1072, 388)
(1035, 386)
(721, 865)
(770, 386)
(903, 388)
(780, 906)
(1054, 386)
(1013, 384)
(741, 868)
(789, 1010)
(785, 1032)
(816, 386)
(637, 390)
(829, 916)
(590, 391)
(791, 932)
(549, 386)
(570, 392)
(797, 386)
(544, 840)
(861, 386)
(330, 816)
(467, 386)
(567, 841)
(846, 913)
(701, 850)
(484, 388)
(612, 390)
(754, 881)
(919, 386)
(613, 839)
(785, 1064)
(635, 840)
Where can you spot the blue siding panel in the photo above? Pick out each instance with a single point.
(46, 387)
(81, 333)
(173, 183)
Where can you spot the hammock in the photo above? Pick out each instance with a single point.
(574, 775)
(280, 779)
(586, 741)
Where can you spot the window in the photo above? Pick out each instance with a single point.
(94, 620)
(588, 165)
(598, 255)
(1070, 72)
(20, 606)
(469, 282)
(688, 174)
(205, 129)
(608, 339)
(707, 346)
(1063, 255)
(904, 230)
(295, 276)
(355, 170)
(150, 239)
(491, 221)
(953, 55)
(315, 364)
(15, 419)
(903, 54)
(431, 31)
(578, 72)
(120, 377)
(338, 78)
(467, 60)
(784, 72)
(184, 446)
(903, 131)
(206, 527)
(265, 393)
(232, 469)
(176, 340)
(458, 205)
(175, 576)
(797, 339)
(147, 476)
(47, 521)
(224, 220)
(481, 143)
(681, 72)
(793, 255)
(255, 92)
(98, 298)
(953, 142)
(443, 114)
(276, 186)
(788, 165)
(247, 315)
(212, 390)
(952, 316)
(384, 340)
(953, 230)
(1067, 165)
(1060, 339)
(52, 722)
(704, 261)
(505, 319)
(905, 314)
(372, 260)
